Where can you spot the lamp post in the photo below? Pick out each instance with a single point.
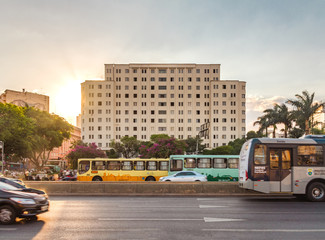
(2, 146)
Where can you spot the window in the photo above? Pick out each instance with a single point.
(220, 163)
(232, 163)
(113, 165)
(139, 165)
(162, 87)
(162, 70)
(176, 164)
(98, 165)
(190, 163)
(126, 165)
(260, 154)
(310, 156)
(163, 166)
(162, 79)
(152, 166)
(204, 163)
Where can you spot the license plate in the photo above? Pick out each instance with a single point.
(44, 208)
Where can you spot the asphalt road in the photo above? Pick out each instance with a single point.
(103, 217)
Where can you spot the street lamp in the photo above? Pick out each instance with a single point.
(2, 146)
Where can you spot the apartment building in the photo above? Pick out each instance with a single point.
(181, 100)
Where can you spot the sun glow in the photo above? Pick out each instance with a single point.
(67, 101)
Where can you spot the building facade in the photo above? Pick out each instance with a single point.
(24, 99)
(181, 100)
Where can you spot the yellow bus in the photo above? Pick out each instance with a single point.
(122, 169)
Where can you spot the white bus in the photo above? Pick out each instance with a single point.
(284, 165)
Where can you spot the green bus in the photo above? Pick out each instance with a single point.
(215, 167)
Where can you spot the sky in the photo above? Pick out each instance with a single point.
(277, 47)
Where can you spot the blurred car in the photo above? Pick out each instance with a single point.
(20, 185)
(69, 178)
(184, 176)
(16, 203)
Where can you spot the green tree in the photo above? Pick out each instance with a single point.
(304, 109)
(271, 114)
(83, 150)
(285, 117)
(222, 150)
(128, 147)
(156, 137)
(236, 145)
(194, 144)
(253, 134)
(15, 131)
(49, 131)
(264, 123)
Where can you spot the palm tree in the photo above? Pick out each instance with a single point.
(305, 107)
(264, 124)
(272, 115)
(284, 116)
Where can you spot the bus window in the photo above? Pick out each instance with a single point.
(163, 166)
(286, 159)
(274, 159)
(83, 166)
(126, 165)
(259, 154)
(113, 165)
(152, 165)
(232, 163)
(204, 163)
(98, 165)
(219, 163)
(139, 165)
(310, 155)
(189, 163)
(176, 164)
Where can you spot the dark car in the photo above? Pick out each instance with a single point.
(21, 185)
(16, 203)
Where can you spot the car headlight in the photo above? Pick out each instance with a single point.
(23, 200)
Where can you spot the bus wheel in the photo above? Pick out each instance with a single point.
(151, 179)
(97, 179)
(316, 192)
(7, 215)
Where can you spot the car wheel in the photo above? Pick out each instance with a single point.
(167, 181)
(197, 181)
(7, 215)
(97, 179)
(316, 192)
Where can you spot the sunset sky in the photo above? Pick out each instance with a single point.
(50, 47)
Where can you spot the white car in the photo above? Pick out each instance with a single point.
(185, 176)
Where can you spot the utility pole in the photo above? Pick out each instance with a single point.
(2, 146)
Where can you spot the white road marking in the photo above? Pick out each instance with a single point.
(210, 206)
(8, 229)
(205, 219)
(263, 230)
(113, 229)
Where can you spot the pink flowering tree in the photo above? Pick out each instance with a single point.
(163, 148)
(83, 151)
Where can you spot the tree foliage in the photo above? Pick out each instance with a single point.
(128, 147)
(48, 132)
(83, 150)
(15, 131)
(194, 144)
(163, 148)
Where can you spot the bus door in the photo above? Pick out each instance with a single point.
(280, 169)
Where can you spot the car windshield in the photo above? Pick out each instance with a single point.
(5, 186)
